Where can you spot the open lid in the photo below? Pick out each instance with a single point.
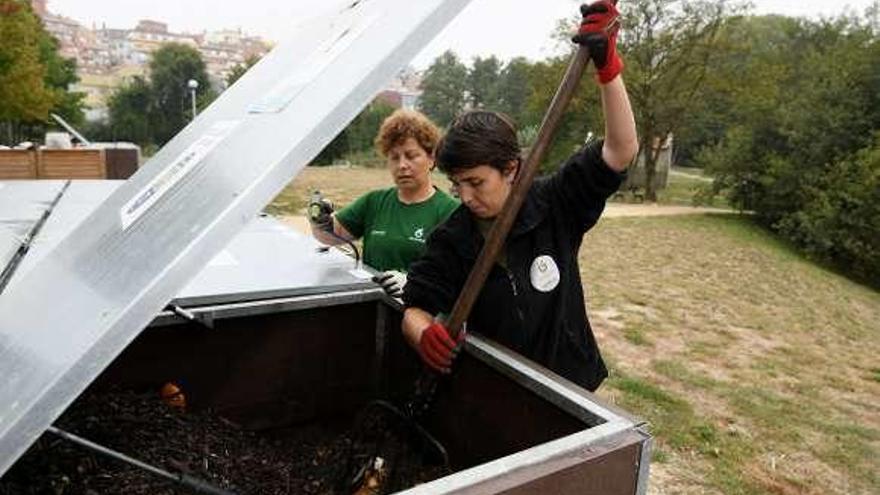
(67, 318)
(267, 259)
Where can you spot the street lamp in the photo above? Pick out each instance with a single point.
(192, 84)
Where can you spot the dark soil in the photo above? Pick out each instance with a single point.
(317, 458)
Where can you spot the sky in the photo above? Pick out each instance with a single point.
(505, 28)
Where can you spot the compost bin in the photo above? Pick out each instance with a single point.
(277, 348)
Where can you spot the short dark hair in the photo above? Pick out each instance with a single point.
(478, 137)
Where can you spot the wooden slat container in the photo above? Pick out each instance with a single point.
(18, 164)
(72, 164)
(122, 161)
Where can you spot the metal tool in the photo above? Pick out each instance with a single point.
(180, 478)
(318, 207)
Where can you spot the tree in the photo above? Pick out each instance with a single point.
(443, 88)
(152, 111)
(668, 46)
(60, 76)
(796, 144)
(840, 218)
(24, 96)
(358, 136)
(582, 115)
(363, 129)
(483, 83)
(239, 70)
(513, 89)
(171, 67)
(130, 108)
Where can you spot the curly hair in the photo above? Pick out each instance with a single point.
(404, 124)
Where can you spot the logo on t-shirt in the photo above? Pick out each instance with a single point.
(418, 235)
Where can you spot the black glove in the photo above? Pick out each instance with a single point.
(598, 32)
(320, 212)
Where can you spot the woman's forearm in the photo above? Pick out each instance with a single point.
(415, 320)
(339, 236)
(621, 139)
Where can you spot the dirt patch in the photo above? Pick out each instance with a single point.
(298, 222)
(301, 223)
(617, 210)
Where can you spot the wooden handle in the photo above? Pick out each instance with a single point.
(501, 227)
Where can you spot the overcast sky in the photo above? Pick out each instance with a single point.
(506, 28)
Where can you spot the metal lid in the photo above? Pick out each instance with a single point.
(22, 204)
(69, 315)
(267, 259)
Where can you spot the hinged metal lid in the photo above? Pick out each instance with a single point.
(67, 318)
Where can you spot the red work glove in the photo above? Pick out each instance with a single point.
(437, 348)
(598, 33)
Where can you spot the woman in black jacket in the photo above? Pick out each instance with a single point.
(532, 301)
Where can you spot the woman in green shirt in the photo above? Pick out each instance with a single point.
(394, 222)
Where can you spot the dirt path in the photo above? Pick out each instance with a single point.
(298, 222)
(690, 175)
(613, 210)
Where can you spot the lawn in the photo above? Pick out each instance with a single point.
(343, 184)
(757, 370)
(339, 184)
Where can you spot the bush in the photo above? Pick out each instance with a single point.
(840, 219)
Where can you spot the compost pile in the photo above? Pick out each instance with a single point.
(318, 458)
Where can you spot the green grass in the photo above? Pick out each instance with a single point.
(681, 190)
(635, 334)
(780, 417)
(678, 428)
(676, 370)
(853, 448)
(660, 408)
(790, 346)
(685, 191)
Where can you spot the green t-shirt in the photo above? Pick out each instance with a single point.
(394, 233)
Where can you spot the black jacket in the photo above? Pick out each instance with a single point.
(549, 326)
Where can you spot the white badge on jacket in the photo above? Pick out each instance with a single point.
(544, 274)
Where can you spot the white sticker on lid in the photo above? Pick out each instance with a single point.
(173, 173)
